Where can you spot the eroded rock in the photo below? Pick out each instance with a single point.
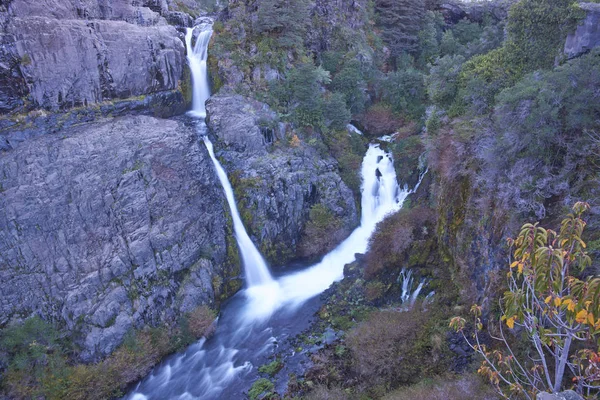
(110, 226)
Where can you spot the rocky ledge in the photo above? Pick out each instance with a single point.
(110, 226)
(279, 180)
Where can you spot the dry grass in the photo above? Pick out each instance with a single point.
(451, 388)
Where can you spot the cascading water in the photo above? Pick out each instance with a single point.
(267, 311)
(255, 267)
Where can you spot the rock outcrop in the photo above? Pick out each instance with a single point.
(60, 54)
(109, 226)
(276, 183)
(587, 35)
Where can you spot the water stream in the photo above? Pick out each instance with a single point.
(255, 321)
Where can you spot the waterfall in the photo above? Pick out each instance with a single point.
(253, 322)
(255, 267)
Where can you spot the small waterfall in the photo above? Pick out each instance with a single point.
(197, 57)
(257, 272)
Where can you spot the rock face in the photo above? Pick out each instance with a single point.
(276, 184)
(587, 35)
(58, 54)
(110, 226)
(566, 395)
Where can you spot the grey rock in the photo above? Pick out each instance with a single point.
(58, 54)
(587, 34)
(566, 395)
(109, 226)
(277, 185)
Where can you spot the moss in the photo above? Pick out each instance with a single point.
(271, 368)
(25, 60)
(262, 388)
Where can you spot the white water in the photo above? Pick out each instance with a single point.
(248, 331)
(255, 267)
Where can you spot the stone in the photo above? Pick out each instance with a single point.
(61, 54)
(276, 185)
(587, 34)
(110, 226)
(566, 395)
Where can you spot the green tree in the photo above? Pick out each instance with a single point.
(442, 81)
(305, 85)
(553, 308)
(400, 22)
(350, 81)
(337, 115)
(405, 91)
(288, 19)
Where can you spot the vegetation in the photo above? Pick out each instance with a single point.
(555, 311)
(40, 362)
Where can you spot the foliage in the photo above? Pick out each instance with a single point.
(305, 88)
(350, 81)
(405, 91)
(400, 22)
(336, 113)
(445, 388)
(393, 237)
(261, 389)
(321, 233)
(553, 308)
(442, 81)
(200, 321)
(544, 144)
(287, 19)
(392, 348)
(40, 364)
(537, 30)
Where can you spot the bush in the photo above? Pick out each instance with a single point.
(200, 321)
(337, 114)
(393, 237)
(442, 81)
(405, 91)
(384, 347)
(261, 389)
(447, 388)
(322, 232)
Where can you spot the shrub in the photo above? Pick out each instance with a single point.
(554, 310)
(383, 347)
(321, 233)
(442, 81)
(446, 388)
(200, 321)
(337, 114)
(393, 237)
(405, 91)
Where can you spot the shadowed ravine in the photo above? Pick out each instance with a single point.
(255, 321)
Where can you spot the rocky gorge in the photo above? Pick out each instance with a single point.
(113, 222)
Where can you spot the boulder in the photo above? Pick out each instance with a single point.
(566, 395)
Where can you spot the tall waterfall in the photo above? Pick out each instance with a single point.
(252, 323)
(256, 270)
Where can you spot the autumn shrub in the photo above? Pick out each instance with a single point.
(393, 237)
(554, 310)
(385, 350)
(445, 388)
(380, 119)
(322, 232)
(200, 321)
(322, 392)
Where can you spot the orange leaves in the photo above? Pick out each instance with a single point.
(457, 323)
(510, 322)
(581, 316)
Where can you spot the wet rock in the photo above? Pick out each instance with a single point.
(587, 34)
(276, 184)
(109, 226)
